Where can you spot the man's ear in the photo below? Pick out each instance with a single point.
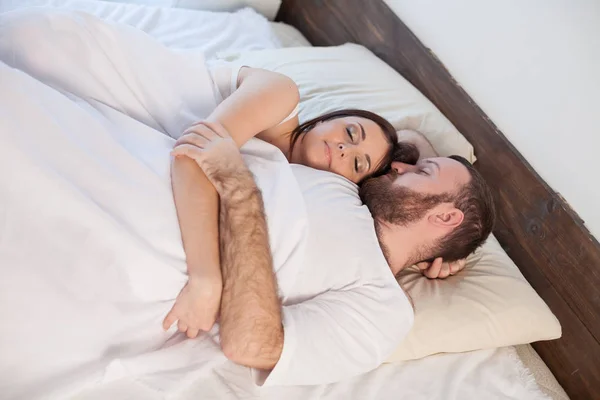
(447, 218)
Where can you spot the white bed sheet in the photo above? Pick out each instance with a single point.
(485, 374)
(490, 374)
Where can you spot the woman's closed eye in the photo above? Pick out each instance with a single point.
(359, 165)
(352, 133)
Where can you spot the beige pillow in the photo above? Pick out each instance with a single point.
(350, 76)
(489, 304)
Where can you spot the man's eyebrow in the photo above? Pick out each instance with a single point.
(434, 163)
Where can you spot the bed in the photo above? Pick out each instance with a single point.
(539, 231)
(468, 367)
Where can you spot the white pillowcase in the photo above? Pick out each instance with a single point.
(350, 76)
(490, 304)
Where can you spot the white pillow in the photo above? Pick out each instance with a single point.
(350, 76)
(489, 304)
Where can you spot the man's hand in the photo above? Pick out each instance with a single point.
(213, 149)
(439, 269)
(197, 306)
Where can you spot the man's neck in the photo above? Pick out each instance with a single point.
(393, 238)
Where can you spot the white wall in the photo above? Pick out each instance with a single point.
(533, 66)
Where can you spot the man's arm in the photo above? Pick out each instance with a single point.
(251, 326)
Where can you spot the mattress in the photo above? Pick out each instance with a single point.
(484, 373)
(540, 372)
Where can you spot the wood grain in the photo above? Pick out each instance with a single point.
(536, 227)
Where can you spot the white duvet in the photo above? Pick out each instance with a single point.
(87, 224)
(91, 258)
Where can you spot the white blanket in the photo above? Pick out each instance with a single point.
(90, 251)
(494, 374)
(184, 29)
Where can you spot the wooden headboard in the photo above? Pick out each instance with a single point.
(537, 229)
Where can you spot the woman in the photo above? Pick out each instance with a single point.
(355, 144)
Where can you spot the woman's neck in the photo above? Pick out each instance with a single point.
(283, 143)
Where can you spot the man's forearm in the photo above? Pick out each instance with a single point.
(251, 327)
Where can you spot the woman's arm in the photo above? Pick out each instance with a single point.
(262, 100)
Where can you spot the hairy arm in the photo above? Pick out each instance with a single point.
(262, 100)
(251, 326)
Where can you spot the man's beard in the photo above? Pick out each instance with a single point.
(397, 205)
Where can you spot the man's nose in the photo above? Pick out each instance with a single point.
(401, 168)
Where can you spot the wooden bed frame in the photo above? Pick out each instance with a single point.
(536, 227)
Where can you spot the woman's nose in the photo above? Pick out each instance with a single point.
(342, 148)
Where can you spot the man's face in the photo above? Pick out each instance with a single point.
(410, 193)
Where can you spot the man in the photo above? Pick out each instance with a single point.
(438, 207)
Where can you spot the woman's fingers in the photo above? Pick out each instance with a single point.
(434, 271)
(423, 265)
(444, 271)
(192, 333)
(169, 320)
(457, 266)
(182, 326)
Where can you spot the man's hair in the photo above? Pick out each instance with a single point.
(475, 200)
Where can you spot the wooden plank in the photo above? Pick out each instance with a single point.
(538, 230)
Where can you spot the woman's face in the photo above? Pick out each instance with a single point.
(353, 147)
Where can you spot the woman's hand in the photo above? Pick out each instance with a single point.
(197, 306)
(439, 269)
(213, 149)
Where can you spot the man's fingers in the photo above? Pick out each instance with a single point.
(169, 320)
(192, 138)
(200, 136)
(218, 129)
(206, 129)
(188, 150)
